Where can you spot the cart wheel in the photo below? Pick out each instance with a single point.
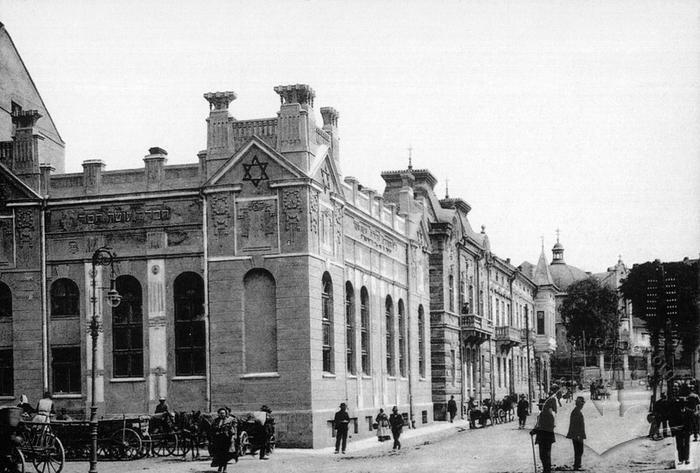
(271, 445)
(126, 445)
(244, 443)
(165, 445)
(51, 457)
(502, 415)
(17, 461)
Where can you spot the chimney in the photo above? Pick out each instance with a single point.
(353, 182)
(25, 148)
(92, 176)
(155, 163)
(330, 126)
(296, 123)
(219, 137)
(45, 170)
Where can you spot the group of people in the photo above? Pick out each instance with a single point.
(680, 416)
(543, 432)
(224, 436)
(383, 424)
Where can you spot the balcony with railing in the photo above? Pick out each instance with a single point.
(475, 329)
(507, 336)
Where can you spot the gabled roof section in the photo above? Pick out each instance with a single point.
(265, 148)
(325, 169)
(9, 182)
(542, 277)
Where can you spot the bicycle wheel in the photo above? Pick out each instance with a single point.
(126, 445)
(244, 443)
(50, 457)
(16, 464)
(165, 445)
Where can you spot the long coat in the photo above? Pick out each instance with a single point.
(577, 427)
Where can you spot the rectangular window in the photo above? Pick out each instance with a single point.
(65, 369)
(364, 330)
(7, 379)
(540, 322)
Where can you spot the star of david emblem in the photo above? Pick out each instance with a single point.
(256, 176)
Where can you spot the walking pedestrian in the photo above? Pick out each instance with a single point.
(544, 430)
(577, 431)
(382, 421)
(473, 413)
(223, 432)
(661, 410)
(694, 408)
(681, 420)
(452, 408)
(341, 422)
(522, 411)
(396, 422)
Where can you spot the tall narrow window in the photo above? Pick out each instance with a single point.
(7, 384)
(327, 321)
(65, 369)
(260, 321)
(389, 320)
(451, 283)
(65, 298)
(127, 330)
(364, 330)
(453, 364)
(5, 301)
(350, 326)
(402, 339)
(421, 341)
(190, 359)
(540, 322)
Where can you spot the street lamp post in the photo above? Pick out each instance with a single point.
(101, 257)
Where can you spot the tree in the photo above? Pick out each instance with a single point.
(591, 308)
(684, 321)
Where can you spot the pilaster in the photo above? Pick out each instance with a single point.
(158, 355)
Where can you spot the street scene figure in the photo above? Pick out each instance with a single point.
(162, 406)
(577, 431)
(396, 422)
(452, 408)
(383, 429)
(660, 418)
(694, 408)
(681, 421)
(24, 405)
(544, 430)
(522, 411)
(223, 433)
(341, 423)
(44, 408)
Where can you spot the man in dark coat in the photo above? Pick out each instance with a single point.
(544, 430)
(452, 408)
(577, 431)
(396, 423)
(661, 411)
(694, 408)
(341, 422)
(522, 410)
(681, 420)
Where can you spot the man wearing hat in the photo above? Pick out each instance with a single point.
(577, 431)
(341, 422)
(522, 411)
(162, 406)
(544, 429)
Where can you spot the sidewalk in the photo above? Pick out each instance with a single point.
(409, 437)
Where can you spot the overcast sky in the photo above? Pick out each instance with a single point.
(583, 116)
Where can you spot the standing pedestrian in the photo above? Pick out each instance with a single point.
(544, 430)
(382, 421)
(162, 406)
(694, 408)
(341, 422)
(661, 409)
(523, 407)
(452, 408)
(577, 431)
(396, 422)
(223, 432)
(681, 420)
(44, 409)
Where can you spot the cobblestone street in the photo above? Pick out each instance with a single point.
(448, 448)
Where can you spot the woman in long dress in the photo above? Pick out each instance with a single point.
(382, 421)
(223, 434)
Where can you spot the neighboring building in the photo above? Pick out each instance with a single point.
(254, 276)
(479, 303)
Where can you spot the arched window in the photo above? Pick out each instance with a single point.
(451, 284)
(402, 339)
(188, 292)
(5, 301)
(421, 341)
(350, 326)
(127, 330)
(327, 321)
(260, 309)
(65, 298)
(389, 318)
(364, 330)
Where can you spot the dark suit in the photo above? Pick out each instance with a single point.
(577, 432)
